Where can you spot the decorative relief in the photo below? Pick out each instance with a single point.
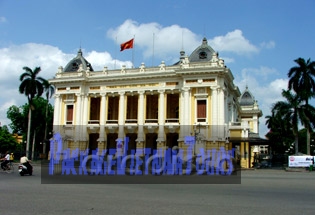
(123, 69)
(61, 88)
(95, 88)
(191, 81)
(171, 83)
(162, 66)
(209, 80)
(105, 70)
(133, 86)
(142, 67)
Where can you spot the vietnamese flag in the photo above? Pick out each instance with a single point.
(126, 45)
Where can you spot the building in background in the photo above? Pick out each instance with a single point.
(156, 107)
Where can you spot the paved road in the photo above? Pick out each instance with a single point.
(261, 192)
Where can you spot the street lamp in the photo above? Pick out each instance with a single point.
(195, 131)
(196, 135)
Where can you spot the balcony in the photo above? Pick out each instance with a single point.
(151, 125)
(131, 125)
(112, 125)
(172, 124)
(151, 121)
(114, 121)
(93, 122)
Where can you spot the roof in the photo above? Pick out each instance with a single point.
(253, 139)
(247, 98)
(202, 53)
(75, 63)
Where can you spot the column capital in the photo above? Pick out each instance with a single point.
(103, 94)
(214, 87)
(141, 92)
(121, 93)
(162, 91)
(84, 94)
(186, 89)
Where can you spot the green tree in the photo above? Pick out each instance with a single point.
(294, 111)
(301, 80)
(38, 122)
(280, 132)
(18, 118)
(49, 91)
(31, 86)
(7, 141)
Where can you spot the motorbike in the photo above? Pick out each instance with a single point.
(23, 170)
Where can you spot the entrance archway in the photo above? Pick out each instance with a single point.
(111, 142)
(132, 145)
(150, 142)
(93, 144)
(171, 140)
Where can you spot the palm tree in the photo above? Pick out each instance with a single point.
(302, 82)
(279, 131)
(294, 111)
(301, 79)
(49, 91)
(31, 85)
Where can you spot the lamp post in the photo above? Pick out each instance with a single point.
(196, 135)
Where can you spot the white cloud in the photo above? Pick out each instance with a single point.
(256, 79)
(3, 19)
(101, 59)
(262, 71)
(268, 45)
(4, 108)
(227, 60)
(49, 58)
(167, 41)
(233, 42)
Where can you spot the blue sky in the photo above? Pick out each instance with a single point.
(257, 39)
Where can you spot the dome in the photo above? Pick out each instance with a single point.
(247, 98)
(75, 63)
(202, 53)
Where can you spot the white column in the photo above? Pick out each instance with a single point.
(182, 118)
(186, 112)
(232, 112)
(161, 116)
(255, 124)
(85, 117)
(221, 113)
(214, 123)
(78, 120)
(121, 115)
(57, 110)
(57, 116)
(102, 117)
(141, 116)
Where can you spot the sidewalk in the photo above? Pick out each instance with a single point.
(297, 169)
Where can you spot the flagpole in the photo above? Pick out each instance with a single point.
(115, 55)
(153, 52)
(133, 51)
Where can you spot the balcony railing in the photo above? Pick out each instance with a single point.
(93, 122)
(128, 121)
(201, 120)
(151, 121)
(112, 121)
(172, 120)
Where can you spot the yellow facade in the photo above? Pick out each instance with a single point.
(155, 107)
